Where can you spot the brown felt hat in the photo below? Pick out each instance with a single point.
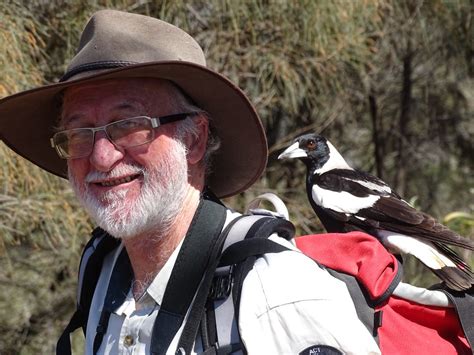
(117, 44)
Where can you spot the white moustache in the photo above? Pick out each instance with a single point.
(117, 172)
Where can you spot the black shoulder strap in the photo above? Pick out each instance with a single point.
(120, 280)
(364, 305)
(365, 310)
(89, 270)
(200, 248)
(464, 304)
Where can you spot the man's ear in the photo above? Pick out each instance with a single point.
(197, 144)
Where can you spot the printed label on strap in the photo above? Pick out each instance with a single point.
(320, 350)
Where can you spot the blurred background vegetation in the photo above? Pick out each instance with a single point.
(390, 82)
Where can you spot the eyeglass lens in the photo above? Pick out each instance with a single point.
(75, 143)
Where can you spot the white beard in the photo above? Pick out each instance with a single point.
(157, 205)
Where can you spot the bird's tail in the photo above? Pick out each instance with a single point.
(459, 277)
(455, 279)
(436, 231)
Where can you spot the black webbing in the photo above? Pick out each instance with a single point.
(262, 229)
(63, 346)
(239, 251)
(119, 285)
(90, 276)
(464, 304)
(193, 259)
(211, 330)
(191, 327)
(240, 273)
(363, 306)
(92, 271)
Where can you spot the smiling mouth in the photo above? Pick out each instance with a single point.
(115, 182)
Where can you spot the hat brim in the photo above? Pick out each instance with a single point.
(27, 121)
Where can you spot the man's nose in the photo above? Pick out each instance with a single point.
(105, 154)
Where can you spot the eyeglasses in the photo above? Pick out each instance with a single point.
(130, 132)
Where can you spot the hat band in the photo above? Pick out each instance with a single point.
(109, 64)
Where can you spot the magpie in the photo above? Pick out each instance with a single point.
(345, 199)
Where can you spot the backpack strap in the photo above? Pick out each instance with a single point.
(464, 304)
(89, 270)
(241, 257)
(200, 248)
(196, 314)
(227, 338)
(246, 238)
(120, 279)
(364, 305)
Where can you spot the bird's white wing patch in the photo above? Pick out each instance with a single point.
(343, 201)
(373, 186)
(424, 251)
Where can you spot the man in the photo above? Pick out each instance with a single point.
(144, 132)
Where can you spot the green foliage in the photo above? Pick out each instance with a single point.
(389, 82)
(461, 222)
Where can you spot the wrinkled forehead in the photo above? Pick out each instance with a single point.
(149, 93)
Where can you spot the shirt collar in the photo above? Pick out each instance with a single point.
(157, 288)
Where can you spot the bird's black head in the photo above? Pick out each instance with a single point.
(312, 149)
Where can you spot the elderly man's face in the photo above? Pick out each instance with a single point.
(127, 191)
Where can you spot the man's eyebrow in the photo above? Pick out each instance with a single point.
(126, 105)
(63, 121)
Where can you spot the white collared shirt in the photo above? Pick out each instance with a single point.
(288, 304)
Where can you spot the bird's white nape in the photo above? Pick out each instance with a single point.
(336, 161)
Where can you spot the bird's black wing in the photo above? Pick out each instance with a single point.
(380, 207)
(358, 183)
(391, 209)
(428, 228)
(342, 193)
(371, 183)
(395, 214)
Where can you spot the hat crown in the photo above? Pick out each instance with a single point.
(123, 38)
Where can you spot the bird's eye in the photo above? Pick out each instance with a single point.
(311, 145)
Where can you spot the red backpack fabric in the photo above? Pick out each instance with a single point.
(406, 327)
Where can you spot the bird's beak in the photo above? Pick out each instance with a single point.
(293, 151)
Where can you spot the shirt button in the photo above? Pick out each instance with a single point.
(128, 340)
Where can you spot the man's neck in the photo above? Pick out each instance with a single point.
(149, 252)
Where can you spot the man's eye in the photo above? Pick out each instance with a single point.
(128, 124)
(78, 136)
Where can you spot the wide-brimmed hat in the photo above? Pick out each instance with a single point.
(117, 44)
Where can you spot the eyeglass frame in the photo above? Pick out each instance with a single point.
(155, 123)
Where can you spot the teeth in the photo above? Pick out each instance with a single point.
(116, 182)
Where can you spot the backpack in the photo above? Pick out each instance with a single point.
(404, 319)
(214, 311)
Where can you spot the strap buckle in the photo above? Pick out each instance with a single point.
(221, 283)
